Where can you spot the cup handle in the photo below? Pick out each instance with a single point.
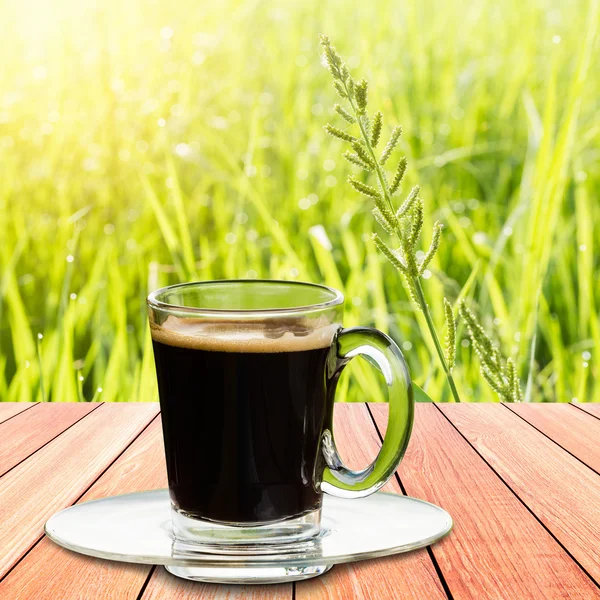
(383, 352)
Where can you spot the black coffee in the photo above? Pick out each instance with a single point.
(242, 423)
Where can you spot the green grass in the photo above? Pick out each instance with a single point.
(155, 142)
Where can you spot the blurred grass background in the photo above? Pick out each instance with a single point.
(145, 143)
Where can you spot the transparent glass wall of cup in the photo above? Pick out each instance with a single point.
(247, 372)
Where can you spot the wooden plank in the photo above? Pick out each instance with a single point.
(563, 493)
(497, 549)
(30, 430)
(86, 580)
(10, 409)
(570, 428)
(47, 572)
(50, 572)
(59, 473)
(163, 585)
(410, 575)
(592, 409)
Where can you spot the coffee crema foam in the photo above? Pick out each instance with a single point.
(251, 337)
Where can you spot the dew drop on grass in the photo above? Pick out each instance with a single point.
(182, 149)
(198, 58)
(479, 238)
(166, 33)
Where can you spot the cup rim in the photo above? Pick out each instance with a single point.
(153, 301)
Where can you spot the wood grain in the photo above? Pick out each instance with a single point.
(163, 586)
(497, 549)
(405, 576)
(28, 431)
(592, 409)
(60, 472)
(570, 428)
(82, 578)
(10, 409)
(46, 573)
(563, 493)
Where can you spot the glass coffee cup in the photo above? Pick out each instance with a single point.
(247, 372)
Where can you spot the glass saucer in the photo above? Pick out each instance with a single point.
(136, 528)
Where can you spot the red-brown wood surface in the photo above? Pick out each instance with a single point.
(61, 471)
(574, 430)
(164, 586)
(10, 409)
(592, 409)
(562, 492)
(46, 571)
(497, 549)
(406, 576)
(30, 430)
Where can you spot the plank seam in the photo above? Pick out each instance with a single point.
(436, 566)
(589, 414)
(548, 437)
(30, 549)
(50, 440)
(33, 405)
(145, 585)
(84, 491)
(597, 584)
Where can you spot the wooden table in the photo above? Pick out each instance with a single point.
(521, 482)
